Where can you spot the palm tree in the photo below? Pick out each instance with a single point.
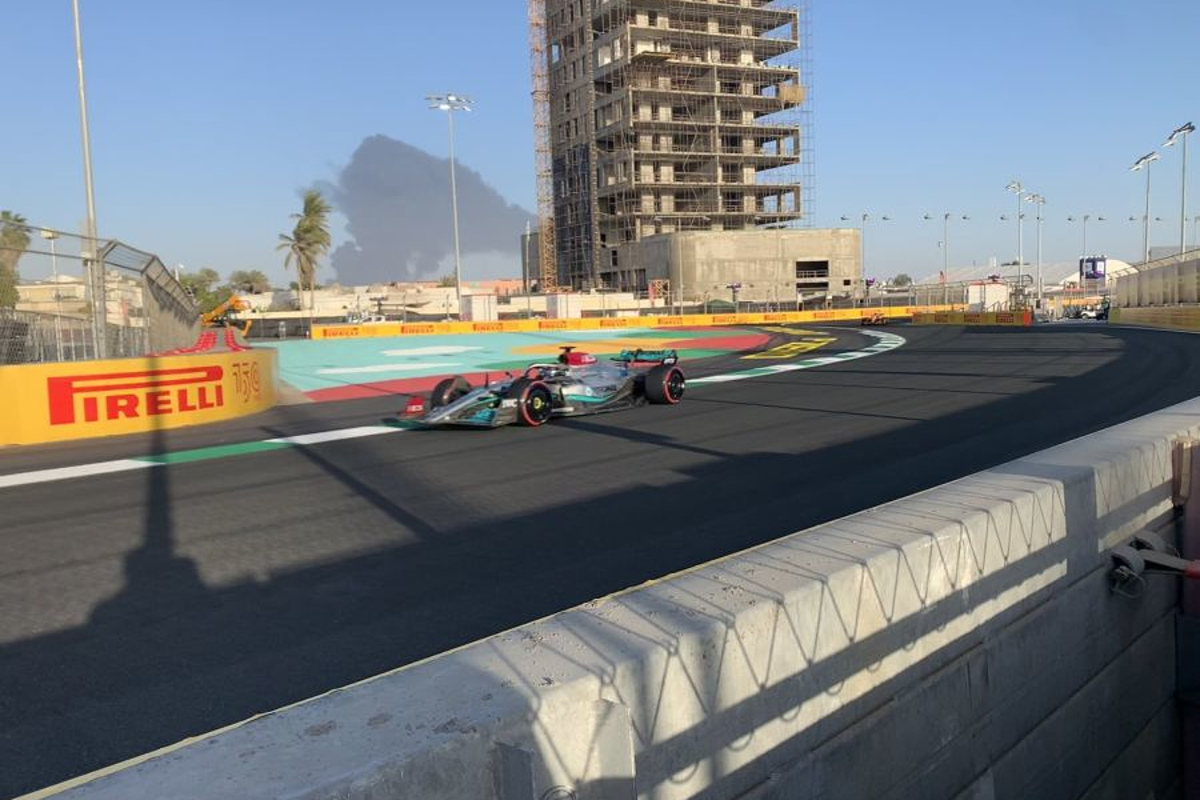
(14, 240)
(297, 255)
(309, 241)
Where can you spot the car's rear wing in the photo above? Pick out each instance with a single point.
(640, 356)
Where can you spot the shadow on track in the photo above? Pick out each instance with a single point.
(170, 657)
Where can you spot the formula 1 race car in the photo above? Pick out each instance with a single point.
(876, 318)
(576, 384)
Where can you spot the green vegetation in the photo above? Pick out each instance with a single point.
(203, 286)
(902, 280)
(251, 280)
(14, 240)
(309, 241)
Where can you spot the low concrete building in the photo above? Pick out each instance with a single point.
(479, 308)
(67, 295)
(771, 266)
(988, 296)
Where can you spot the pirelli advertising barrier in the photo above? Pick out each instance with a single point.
(606, 323)
(1179, 318)
(77, 400)
(974, 318)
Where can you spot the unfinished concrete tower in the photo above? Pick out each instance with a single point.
(670, 115)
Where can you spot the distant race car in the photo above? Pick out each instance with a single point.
(575, 385)
(877, 318)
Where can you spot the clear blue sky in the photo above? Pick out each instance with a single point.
(209, 118)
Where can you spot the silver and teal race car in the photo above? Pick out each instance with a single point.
(574, 385)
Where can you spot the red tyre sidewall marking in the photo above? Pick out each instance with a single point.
(524, 406)
(667, 386)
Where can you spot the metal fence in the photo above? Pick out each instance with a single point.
(58, 317)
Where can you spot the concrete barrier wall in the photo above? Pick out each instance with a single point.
(83, 399)
(376, 329)
(962, 642)
(1180, 318)
(1173, 280)
(974, 318)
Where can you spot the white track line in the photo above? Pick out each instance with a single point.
(65, 473)
(306, 439)
(888, 341)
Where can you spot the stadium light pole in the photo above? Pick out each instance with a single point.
(862, 239)
(525, 270)
(946, 240)
(451, 103)
(1039, 201)
(95, 273)
(1016, 188)
(51, 236)
(1133, 218)
(1084, 219)
(1144, 163)
(1181, 133)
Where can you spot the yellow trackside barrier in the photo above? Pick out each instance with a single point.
(1016, 318)
(1180, 318)
(82, 399)
(614, 323)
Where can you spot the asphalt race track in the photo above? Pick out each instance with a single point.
(140, 608)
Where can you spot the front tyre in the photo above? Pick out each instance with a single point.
(665, 385)
(448, 390)
(535, 403)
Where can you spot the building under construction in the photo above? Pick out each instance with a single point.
(662, 117)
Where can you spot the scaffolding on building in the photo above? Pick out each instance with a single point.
(803, 61)
(673, 115)
(543, 154)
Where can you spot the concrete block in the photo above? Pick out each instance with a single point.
(1187, 646)
(513, 768)
(1021, 673)
(1149, 767)
(1072, 748)
(901, 644)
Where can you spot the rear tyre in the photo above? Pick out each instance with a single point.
(665, 385)
(448, 390)
(535, 403)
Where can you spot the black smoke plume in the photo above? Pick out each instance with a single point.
(396, 200)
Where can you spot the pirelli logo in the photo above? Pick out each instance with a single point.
(130, 395)
(342, 333)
